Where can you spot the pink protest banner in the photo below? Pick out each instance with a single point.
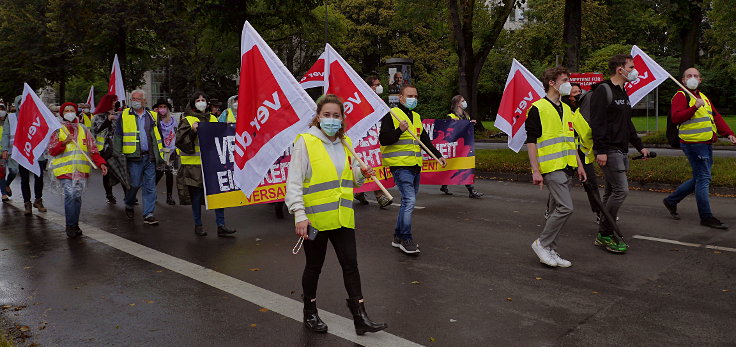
(586, 79)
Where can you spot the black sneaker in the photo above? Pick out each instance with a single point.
(170, 200)
(396, 242)
(111, 200)
(409, 247)
(199, 230)
(73, 231)
(361, 198)
(714, 223)
(224, 231)
(672, 209)
(129, 212)
(474, 194)
(150, 220)
(445, 190)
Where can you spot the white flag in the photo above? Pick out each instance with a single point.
(35, 125)
(651, 75)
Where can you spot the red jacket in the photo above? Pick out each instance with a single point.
(56, 148)
(682, 112)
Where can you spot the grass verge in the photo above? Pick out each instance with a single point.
(4, 342)
(660, 170)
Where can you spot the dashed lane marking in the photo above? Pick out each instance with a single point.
(674, 242)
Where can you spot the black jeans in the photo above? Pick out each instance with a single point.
(25, 182)
(108, 187)
(169, 180)
(343, 240)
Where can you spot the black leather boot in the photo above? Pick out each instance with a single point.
(311, 319)
(362, 323)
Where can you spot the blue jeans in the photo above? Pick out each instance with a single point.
(197, 194)
(142, 174)
(700, 156)
(11, 173)
(72, 199)
(408, 183)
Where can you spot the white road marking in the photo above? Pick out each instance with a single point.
(339, 326)
(397, 205)
(719, 248)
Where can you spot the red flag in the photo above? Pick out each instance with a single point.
(651, 75)
(363, 107)
(272, 109)
(522, 89)
(35, 125)
(315, 76)
(115, 86)
(91, 98)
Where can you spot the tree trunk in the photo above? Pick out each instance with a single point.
(573, 33)
(689, 35)
(62, 88)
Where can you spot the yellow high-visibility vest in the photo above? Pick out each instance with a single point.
(701, 126)
(584, 138)
(328, 199)
(231, 116)
(87, 120)
(72, 159)
(194, 158)
(406, 151)
(131, 132)
(556, 147)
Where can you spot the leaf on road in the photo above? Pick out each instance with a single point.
(133, 304)
(159, 271)
(716, 252)
(725, 290)
(432, 339)
(255, 269)
(509, 299)
(415, 282)
(538, 278)
(253, 325)
(594, 292)
(453, 320)
(150, 301)
(263, 309)
(24, 328)
(27, 267)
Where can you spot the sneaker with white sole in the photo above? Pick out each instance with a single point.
(407, 246)
(543, 253)
(560, 262)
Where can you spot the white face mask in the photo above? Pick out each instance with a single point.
(3, 113)
(632, 75)
(200, 105)
(85, 110)
(70, 116)
(235, 106)
(464, 104)
(565, 89)
(692, 83)
(136, 105)
(379, 89)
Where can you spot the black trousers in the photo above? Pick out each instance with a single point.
(108, 187)
(25, 181)
(169, 180)
(343, 240)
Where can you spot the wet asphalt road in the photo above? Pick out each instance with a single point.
(476, 283)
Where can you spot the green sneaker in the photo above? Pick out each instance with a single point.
(610, 244)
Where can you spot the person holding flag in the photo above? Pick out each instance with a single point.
(554, 159)
(457, 112)
(699, 125)
(190, 173)
(612, 131)
(70, 165)
(403, 155)
(319, 192)
(228, 116)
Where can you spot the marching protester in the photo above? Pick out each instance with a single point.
(229, 115)
(138, 139)
(573, 99)
(403, 155)
(215, 107)
(190, 171)
(85, 115)
(70, 165)
(383, 200)
(554, 159)
(613, 130)
(699, 125)
(104, 137)
(457, 112)
(167, 125)
(319, 192)
(7, 131)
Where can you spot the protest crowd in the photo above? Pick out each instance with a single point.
(135, 143)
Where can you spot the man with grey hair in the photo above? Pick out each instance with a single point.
(138, 138)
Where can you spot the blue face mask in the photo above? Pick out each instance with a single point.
(330, 125)
(411, 103)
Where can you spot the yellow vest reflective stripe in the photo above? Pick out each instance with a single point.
(131, 133)
(72, 159)
(100, 140)
(556, 147)
(328, 199)
(1, 137)
(453, 116)
(87, 120)
(230, 116)
(194, 158)
(406, 151)
(701, 126)
(584, 139)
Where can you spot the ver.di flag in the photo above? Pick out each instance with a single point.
(34, 127)
(522, 89)
(363, 107)
(273, 109)
(91, 98)
(115, 86)
(315, 76)
(651, 75)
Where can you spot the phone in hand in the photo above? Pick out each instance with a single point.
(311, 232)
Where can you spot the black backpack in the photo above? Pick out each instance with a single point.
(673, 132)
(584, 103)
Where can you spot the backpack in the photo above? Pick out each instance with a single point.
(673, 131)
(584, 103)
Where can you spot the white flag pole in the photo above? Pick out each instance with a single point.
(363, 166)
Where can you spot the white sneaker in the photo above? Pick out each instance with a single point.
(545, 257)
(560, 262)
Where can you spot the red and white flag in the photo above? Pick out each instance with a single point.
(315, 76)
(522, 89)
(34, 127)
(91, 98)
(272, 109)
(651, 75)
(115, 86)
(363, 107)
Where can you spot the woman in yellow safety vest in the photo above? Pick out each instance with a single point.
(72, 147)
(319, 192)
(457, 112)
(190, 171)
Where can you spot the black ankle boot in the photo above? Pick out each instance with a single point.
(311, 318)
(362, 323)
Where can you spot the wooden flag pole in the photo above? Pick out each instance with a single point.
(68, 135)
(683, 87)
(363, 166)
(416, 138)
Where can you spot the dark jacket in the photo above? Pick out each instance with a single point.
(611, 123)
(186, 138)
(390, 135)
(153, 148)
